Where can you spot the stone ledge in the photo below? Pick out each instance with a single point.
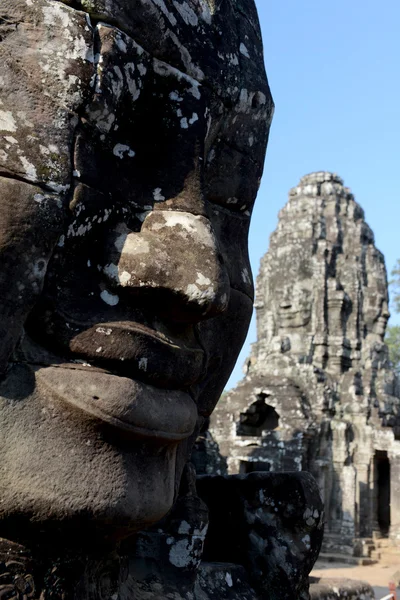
(340, 589)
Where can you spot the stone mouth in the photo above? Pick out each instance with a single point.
(291, 315)
(136, 408)
(159, 357)
(139, 352)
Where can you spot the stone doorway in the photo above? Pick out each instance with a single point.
(258, 417)
(382, 487)
(247, 466)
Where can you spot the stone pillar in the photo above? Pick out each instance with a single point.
(374, 499)
(394, 498)
(363, 522)
(348, 485)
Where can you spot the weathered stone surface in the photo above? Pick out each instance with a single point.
(123, 240)
(340, 589)
(132, 141)
(271, 523)
(206, 456)
(319, 393)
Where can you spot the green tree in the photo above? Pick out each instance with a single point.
(392, 337)
(394, 285)
(392, 340)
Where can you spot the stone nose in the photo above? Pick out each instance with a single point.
(172, 266)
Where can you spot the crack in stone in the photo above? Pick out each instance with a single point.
(39, 184)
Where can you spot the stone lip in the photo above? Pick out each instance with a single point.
(140, 410)
(139, 352)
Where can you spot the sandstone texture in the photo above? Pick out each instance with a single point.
(340, 589)
(132, 143)
(319, 394)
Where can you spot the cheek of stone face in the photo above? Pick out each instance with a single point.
(30, 222)
(223, 336)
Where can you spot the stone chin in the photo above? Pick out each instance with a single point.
(88, 451)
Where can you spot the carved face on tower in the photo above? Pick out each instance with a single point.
(130, 161)
(376, 300)
(323, 289)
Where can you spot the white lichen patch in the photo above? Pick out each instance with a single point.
(124, 277)
(104, 330)
(175, 97)
(184, 528)
(161, 5)
(157, 195)
(201, 280)
(165, 70)
(121, 45)
(134, 244)
(143, 364)
(243, 50)
(307, 541)
(10, 139)
(228, 579)
(187, 13)
(108, 298)
(29, 168)
(122, 150)
(246, 276)
(59, 50)
(207, 10)
(187, 552)
(233, 59)
(201, 296)
(7, 121)
(112, 271)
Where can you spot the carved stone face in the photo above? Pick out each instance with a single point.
(376, 308)
(290, 289)
(295, 304)
(131, 160)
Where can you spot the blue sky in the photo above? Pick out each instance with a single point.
(334, 71)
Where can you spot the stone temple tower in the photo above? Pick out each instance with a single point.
(319, 393)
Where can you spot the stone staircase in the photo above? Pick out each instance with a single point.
(386, 553)
(344, 559)
(336, 549)
(361, 552)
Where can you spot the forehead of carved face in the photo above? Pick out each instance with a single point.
(131, 153)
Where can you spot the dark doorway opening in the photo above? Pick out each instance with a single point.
(247, 466)
(259, 417)
(382, 470)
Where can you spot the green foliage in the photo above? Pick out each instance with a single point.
(394, 284)
(392, 340)
(392, 337)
